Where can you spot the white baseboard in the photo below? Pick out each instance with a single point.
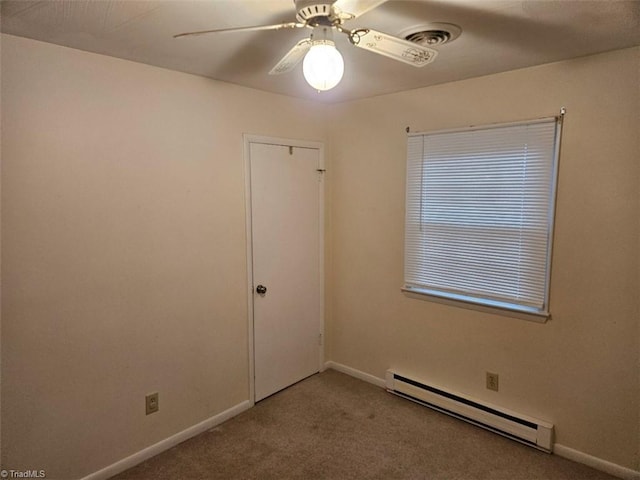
(595, 462)
(167, 443)
(560, 450)
(356, 373)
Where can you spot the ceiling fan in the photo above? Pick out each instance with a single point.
(323, 65)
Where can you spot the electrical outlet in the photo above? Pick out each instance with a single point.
(492, 381)
(151, 403)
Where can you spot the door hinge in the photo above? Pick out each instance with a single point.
(320, 339)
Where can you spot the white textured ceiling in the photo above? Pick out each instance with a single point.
(497, 35)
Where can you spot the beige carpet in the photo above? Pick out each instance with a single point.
(332, 426)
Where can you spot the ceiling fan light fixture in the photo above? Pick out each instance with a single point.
(323, 66)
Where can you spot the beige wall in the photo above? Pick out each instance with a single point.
(580, 370)
(0, 260)
(124, 261)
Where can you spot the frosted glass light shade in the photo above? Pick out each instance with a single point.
(323, 66)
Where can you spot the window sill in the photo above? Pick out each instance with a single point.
(473, 304)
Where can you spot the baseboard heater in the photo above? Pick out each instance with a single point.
(527, 430)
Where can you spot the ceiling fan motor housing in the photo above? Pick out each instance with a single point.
(313, 11)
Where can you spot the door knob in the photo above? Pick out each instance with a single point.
(261, 289)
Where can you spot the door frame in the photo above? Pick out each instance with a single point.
(248, 139)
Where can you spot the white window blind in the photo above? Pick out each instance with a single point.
(479, 214)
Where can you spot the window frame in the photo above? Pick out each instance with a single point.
(470, 300)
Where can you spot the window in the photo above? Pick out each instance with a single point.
(479, 216)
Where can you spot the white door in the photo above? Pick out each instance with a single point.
(285, 190)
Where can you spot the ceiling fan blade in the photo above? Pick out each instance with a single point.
(392, 47)
(355, 8)
(292, 58)
(278, 26)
